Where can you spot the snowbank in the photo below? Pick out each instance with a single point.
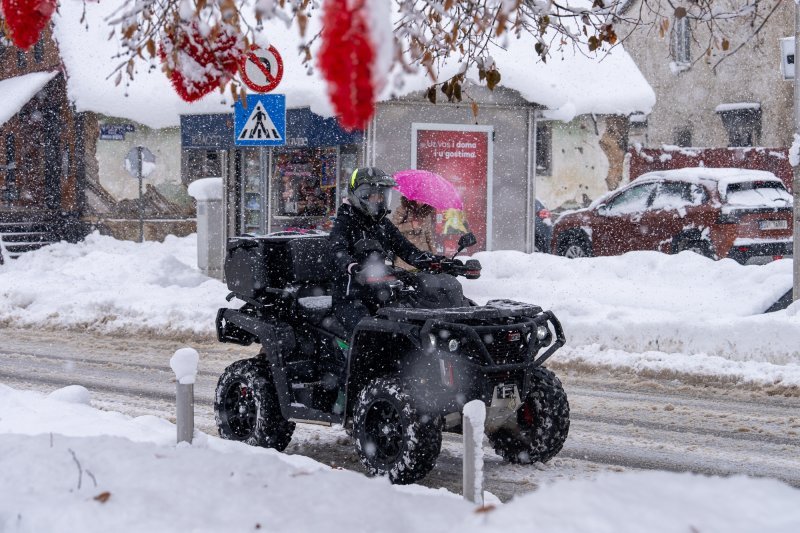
(642, 310)
(69, 465)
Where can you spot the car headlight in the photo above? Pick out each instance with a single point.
(452, 345)
(542, 332)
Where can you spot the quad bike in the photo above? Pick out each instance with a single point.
(405, 373)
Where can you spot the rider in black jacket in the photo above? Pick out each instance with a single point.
(363, 217)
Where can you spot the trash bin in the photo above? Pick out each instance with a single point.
(210, 232)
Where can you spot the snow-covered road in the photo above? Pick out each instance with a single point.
(620, 421)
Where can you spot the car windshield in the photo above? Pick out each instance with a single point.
(758, 193)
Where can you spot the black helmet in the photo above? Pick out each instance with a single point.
(370, 191)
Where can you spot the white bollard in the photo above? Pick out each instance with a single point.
(472, 422)
(184, 364)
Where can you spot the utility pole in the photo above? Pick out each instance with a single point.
(796, 180)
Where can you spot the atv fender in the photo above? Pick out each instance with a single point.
(276, 339)
(378, 348)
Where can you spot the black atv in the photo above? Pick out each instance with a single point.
(402, 377)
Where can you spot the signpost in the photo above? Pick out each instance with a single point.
(140, 163)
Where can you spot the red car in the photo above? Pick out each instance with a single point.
(717, 212)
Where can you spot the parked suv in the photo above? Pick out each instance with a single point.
(717, 212)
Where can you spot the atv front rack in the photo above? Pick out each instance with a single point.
(496, 320)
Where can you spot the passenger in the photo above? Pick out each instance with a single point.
(415, 221)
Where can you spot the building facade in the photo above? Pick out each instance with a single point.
(706, 96)
(42, 149)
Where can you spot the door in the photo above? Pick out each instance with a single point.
(616, 224)
(253, 191)
(673, 208)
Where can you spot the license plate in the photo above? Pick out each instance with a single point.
(772, 224)
(505, 391)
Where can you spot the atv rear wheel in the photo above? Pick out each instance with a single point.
(392, 437)
(246, 406)
(542, 423)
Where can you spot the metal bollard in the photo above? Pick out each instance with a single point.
(185, 412)
(184, 364)
(473, 419)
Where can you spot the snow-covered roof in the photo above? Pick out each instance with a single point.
(18, 91)
(573, 81)
(88, 56)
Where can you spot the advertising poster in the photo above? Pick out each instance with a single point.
(461, 157)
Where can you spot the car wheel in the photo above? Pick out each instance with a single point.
(392, 437)
(542, 423)
(694, 245)
(574, 245)
(246, 406)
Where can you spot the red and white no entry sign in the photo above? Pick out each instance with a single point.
(261, 69)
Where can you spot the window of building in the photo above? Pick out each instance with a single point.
(681, 41)
(202, 164)
(742, 121)
(544, 148)
(22, 62)
(38, 51)
(637, 133)
(683, 137)
(3, 44)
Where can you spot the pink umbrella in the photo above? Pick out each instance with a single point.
(428, 188)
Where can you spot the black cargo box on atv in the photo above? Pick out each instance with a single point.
(255, 264)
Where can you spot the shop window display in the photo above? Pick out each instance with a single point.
(305, 181)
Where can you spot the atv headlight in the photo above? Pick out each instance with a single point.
(542, 332)
(452, 345)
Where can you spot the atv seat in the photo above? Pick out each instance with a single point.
(318, 311)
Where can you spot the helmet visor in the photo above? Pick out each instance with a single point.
(375, 199)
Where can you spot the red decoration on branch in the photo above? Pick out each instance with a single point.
(197, 64)
(346, 58)
(26, 19)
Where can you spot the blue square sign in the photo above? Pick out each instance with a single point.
(263, 123)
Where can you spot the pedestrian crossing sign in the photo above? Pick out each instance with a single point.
(263, 123)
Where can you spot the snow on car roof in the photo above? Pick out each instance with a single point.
(721, 177)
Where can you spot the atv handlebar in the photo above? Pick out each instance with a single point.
(471, 269)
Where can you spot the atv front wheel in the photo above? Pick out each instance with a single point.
(542, 423)
(246, 406)
(392, 437)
